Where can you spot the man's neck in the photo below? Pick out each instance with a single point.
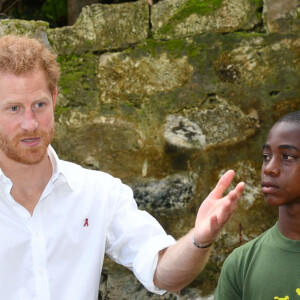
(29, 181)
(289, 221)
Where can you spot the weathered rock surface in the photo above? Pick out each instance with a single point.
(37, 29)
(172, 192)
(281, 16)
(103, 27)
(201, 129)
(123, 285)
(144, 76)
(181, 18)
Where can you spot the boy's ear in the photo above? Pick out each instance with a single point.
(54, 96)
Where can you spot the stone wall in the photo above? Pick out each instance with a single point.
(167, 98)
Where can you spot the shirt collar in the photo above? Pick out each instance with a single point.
(58, 172)
(4, 179)
(283, 242)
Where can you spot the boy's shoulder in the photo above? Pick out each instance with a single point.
(253, 247)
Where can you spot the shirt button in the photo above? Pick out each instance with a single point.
(41, 272)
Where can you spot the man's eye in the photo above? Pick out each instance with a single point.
(14, 108)
(39, 104)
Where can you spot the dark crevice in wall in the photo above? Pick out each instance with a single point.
(259, 28)
(274, 93)
(115, 50)
(150, 24)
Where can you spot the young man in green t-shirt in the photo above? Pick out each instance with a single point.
(268, 267)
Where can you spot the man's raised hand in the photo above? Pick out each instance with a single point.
(216, 210)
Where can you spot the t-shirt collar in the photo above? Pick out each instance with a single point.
(283, 242)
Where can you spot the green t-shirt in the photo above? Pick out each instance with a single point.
(266, 268)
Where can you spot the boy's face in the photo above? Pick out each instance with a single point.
(280, 173)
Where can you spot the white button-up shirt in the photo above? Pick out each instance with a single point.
(57, 253)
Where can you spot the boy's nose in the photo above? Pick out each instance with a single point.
(29, 122)
(272, 168)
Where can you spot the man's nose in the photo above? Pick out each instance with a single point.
(272, 168)
(29, 122)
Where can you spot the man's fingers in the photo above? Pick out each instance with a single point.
(235, 195)
(237, 192)
(222, 184)
(218, 215)
(239, 188)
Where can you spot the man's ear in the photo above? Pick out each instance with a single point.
(54, 96)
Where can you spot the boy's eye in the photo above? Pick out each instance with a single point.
(288, 157)
(266, 157)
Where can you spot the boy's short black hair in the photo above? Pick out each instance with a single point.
(293, 117)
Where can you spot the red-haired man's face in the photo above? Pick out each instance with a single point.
(26, 117)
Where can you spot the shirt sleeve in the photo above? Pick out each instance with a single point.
(228, 287)
(135, 238)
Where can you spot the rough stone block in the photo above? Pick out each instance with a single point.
(36, 29)
(281, 16)
(182, 18)
(103, 27)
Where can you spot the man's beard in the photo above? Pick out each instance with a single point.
(26, 155)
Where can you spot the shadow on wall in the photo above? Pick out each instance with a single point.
(58, 13)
